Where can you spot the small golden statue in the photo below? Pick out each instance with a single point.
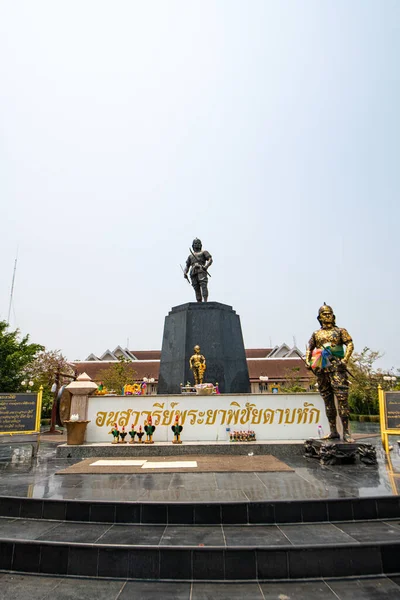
(326, 357)
(197, 364)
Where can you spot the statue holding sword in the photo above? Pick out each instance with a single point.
(197, 265)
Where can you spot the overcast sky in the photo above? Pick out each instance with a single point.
(270, 129)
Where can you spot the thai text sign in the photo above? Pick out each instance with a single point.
(392, 410)
(210, 418)
(19, 413)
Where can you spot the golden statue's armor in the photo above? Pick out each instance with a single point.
(327, 358)
(197, 363)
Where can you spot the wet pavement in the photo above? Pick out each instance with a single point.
(20, 475)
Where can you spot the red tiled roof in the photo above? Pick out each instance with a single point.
(257, 352)
(139, 369)
(277, 368)
(146, 354)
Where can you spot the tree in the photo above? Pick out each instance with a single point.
(49, 368)
(293, 383)
(116, 376)
(15, 355)
(363, 393)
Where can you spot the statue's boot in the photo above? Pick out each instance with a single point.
(334, 434)
(346, 433)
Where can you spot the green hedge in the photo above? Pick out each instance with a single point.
(364, 418)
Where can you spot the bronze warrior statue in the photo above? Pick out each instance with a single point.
(198, 262)
(197, 363)
(326, 357)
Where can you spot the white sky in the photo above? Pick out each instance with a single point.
(270, 129)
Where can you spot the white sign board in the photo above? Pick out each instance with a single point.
(210, 418)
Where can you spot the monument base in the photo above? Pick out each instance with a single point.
(216, 328)
(332, 452)
(278, 448)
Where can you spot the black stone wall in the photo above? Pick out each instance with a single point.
(215, 327)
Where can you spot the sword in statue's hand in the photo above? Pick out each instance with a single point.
(185, 274)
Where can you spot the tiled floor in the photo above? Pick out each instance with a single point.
(14, 586)
(22, 476)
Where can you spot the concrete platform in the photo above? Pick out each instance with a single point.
(278, 448)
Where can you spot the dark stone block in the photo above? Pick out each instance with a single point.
(113, 562)
(127, 513)
(390, 558)
(216, 328)
(240, 564)
(82, 561)
(103, 513)
(181, 514)
(54, 559)
(235, 514)
(31, 509)
(26, 557)
(10, 507)
(367, 560)
(303, 563)
(208, 564)
(388, 508)
(175, 564)
(207, 514)
(364, 508)
(54, 509)
(314, 511)
(261, 512)
(144, 564)
(154, 513)
(78, 511)
(288, 512)
(6, 552)
(340, 510)
(272, 564)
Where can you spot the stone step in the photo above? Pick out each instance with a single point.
(200, 552)
(382, 507)
(43, 587)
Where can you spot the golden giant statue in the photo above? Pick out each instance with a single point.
(328, 360)
(197, 363)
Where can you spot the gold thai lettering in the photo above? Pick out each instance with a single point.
(168, 416)
(157, 413)
(211, 416)
(101, 419)
(124, 418)
(268, 416)
(112, 418)
(303, 412)
(314, 412)
(245, 413)
(236, 414)
(290, 415)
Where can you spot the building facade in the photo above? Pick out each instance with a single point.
(271, 370)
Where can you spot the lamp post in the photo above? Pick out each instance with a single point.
(28, 385)
(390, 379)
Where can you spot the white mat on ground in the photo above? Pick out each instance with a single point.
(145, 464)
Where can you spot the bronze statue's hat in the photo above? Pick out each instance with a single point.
(196, 241)
(324, 307)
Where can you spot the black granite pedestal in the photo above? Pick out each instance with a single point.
(331, 452)
(215, 327)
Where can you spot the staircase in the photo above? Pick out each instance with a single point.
(209, 542)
